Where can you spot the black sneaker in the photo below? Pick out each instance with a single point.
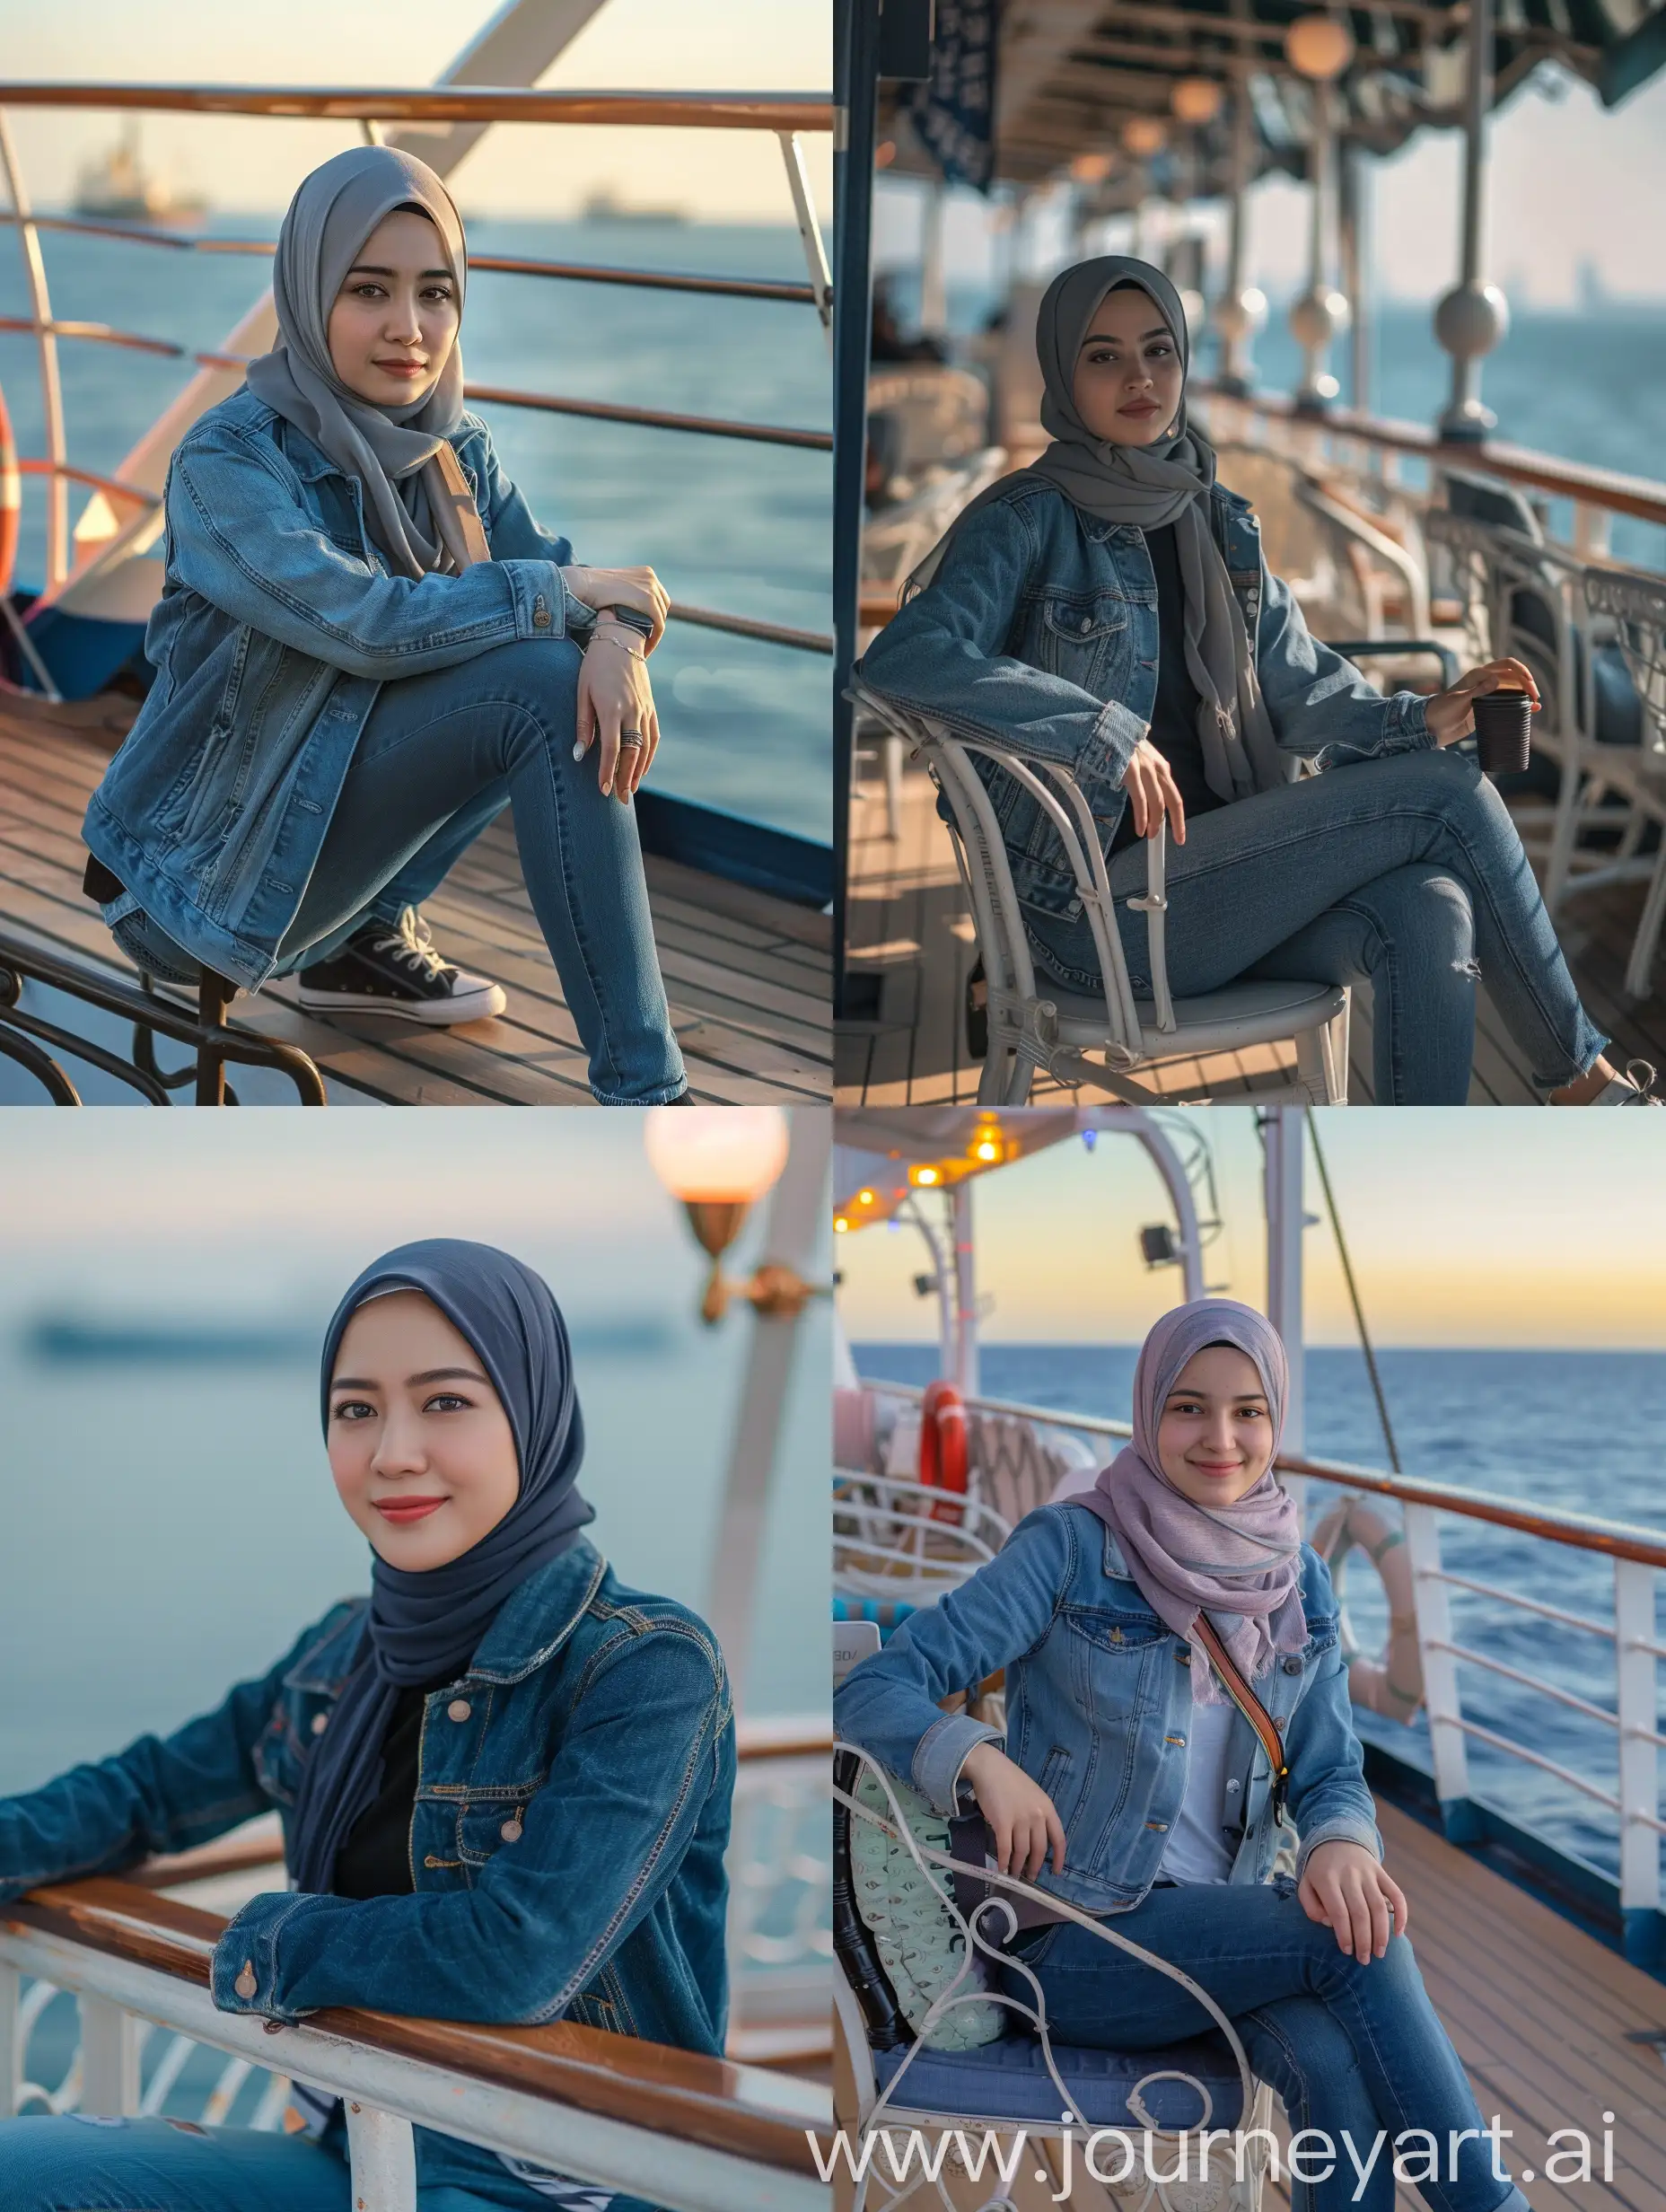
(393, 968)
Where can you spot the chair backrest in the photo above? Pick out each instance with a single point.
(941, 414)
(898, 538)
(1636, 603)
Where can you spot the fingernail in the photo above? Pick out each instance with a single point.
(578, 749)
(607, 791)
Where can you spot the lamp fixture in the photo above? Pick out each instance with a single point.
(719, 1161)
(1143, 136)
(1196, 100)
(1319, 48)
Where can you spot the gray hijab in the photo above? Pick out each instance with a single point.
(407, 506)
(1145, 487)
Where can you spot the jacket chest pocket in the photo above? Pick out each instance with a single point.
(1113, 1661)
(1084, 639)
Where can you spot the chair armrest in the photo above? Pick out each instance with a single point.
(1351, 648)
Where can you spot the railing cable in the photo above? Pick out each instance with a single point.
(1353, 1296)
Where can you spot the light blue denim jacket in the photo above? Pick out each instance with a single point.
(1099, 1701)
(596, 1717)
(277, 625)
(1039, 630)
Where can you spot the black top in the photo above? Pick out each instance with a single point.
(1174, 718)
(375, 1860)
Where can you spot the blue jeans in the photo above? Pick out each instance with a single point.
(439, 756)
(1407, 873)
(1350, 2048)
(79, 2164)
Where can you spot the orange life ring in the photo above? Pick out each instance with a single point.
(943, 1445)
(11, 498)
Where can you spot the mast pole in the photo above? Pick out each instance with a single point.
(1283, 1140)
(965, 1375)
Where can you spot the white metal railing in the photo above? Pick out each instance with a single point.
(131, 2031)
(1638, 1557)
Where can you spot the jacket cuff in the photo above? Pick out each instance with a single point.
(1116, 736)
(244, 1973)
(542, 600)
(941, 1753)
(1413, 722)
(1343, 1828)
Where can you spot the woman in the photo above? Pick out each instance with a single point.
(1109, 609)
(1132, 1785)
(364, 648)
(504, 1777)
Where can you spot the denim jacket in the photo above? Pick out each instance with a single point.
(1039, 631)
(566, 1846)
(1099, 1701)
(278, 623)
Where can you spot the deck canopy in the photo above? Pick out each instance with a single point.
(881, 1158)
(1070, 74)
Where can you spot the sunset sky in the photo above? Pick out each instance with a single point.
(1465, 1229)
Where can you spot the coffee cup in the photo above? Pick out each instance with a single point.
(1504, 723)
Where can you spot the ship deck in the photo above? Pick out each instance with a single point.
(910, 924)
(1553, 2028)
(746, 974)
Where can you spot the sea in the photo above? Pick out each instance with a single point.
(1571, 1430)
(742, 528)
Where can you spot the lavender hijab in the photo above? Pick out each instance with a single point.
(423, 1626)
(407, 505)
(1241, 1563)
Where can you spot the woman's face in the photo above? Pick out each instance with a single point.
(394, 320)
(1215, 1438)
(1128, 377)
(419, 1444)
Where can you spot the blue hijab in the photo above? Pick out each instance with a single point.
(423, 1626)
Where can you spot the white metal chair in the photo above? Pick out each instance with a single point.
(1025, 2080)
(1635, 604)
(1057, 1029)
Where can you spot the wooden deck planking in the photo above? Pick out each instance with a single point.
(747, 976)
(908, 923)
(1539, 2013)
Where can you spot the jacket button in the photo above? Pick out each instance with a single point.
(432, 1861)
(1230, 1786)
(320, 1721)
(541, 615)
(245, 1983)
(458, 1709)
(511, 1831)
(1293, 1666)
(1087, 624)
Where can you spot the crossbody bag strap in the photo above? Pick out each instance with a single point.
(1233, 1681)
(466, 515)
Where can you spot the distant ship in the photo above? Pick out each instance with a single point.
(606, 207)
(119, 189)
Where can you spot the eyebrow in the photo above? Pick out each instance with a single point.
(1110, 338)
(369, 268)
(1235, 1398)
(429, 1374)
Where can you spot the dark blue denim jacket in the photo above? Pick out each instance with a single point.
(1039, 630)
(277, 625)
(1099, 1700)
(567, 1843)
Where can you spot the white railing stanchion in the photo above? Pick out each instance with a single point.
(383, 2152)
(13, 2035)
(110, 2058)
(809, 229)
(51, 389)
(1639, 1761)
(1440, 1675)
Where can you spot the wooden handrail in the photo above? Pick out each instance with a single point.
(1517, 464)
(1582, 1532)
(740, 2110)
(458, 103)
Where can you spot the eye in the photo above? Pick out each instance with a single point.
(441, 292)
(368, 289)
(447, 1401)
(354, 1409)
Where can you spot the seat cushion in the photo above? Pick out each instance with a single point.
(1008, 2080)
(1241, 1013)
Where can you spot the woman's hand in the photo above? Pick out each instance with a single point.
(615, 700)
(1451, 713)
(1019, 1812)
(1344, 1885)
(636, 588)
(1149, 782)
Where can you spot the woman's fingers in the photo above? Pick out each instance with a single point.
(1001, 1829)
(1174, 804)
(1056, 1836)
(1397, 1898)
(608, 724)
(584, 734)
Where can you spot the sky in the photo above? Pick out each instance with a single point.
(1570, 180)
(630, 45)
(1503, 1229)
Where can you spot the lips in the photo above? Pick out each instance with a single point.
(401, 1510)
(401, 368)
(1137, 409)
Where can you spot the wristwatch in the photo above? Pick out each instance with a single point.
(632, 618)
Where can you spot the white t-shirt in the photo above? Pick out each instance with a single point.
(1196, 1851)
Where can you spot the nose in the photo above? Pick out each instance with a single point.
(398, 1448)
(1219, 1436)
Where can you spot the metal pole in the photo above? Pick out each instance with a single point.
(51, 390)
(1639, 1766)
(1321, 313)
(1241, 308)
(1282, 1137)
(382, 2152)
(796, 1214)
(809, 229)
(110, 2058)
(1166, 1162)
(933, 288)
(1470, 320)
(12, 2051)
(965, 1370)
(1353, 220)
(1431, 1601)
(856, 70)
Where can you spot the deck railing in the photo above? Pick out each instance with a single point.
(707, 2133)
(1638, 1557)
(786, 116)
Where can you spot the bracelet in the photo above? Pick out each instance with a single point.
(602, 638)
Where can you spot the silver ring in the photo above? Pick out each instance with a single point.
(630, 737)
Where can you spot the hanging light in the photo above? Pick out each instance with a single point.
(719, 1161)
(1319, 48)
(1143, 136)
(1089, 169)
(1196, 100)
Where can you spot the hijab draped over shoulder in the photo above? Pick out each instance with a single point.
(423, 1625)
(417, 511)
(1240, 1563)
(1148, 488)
